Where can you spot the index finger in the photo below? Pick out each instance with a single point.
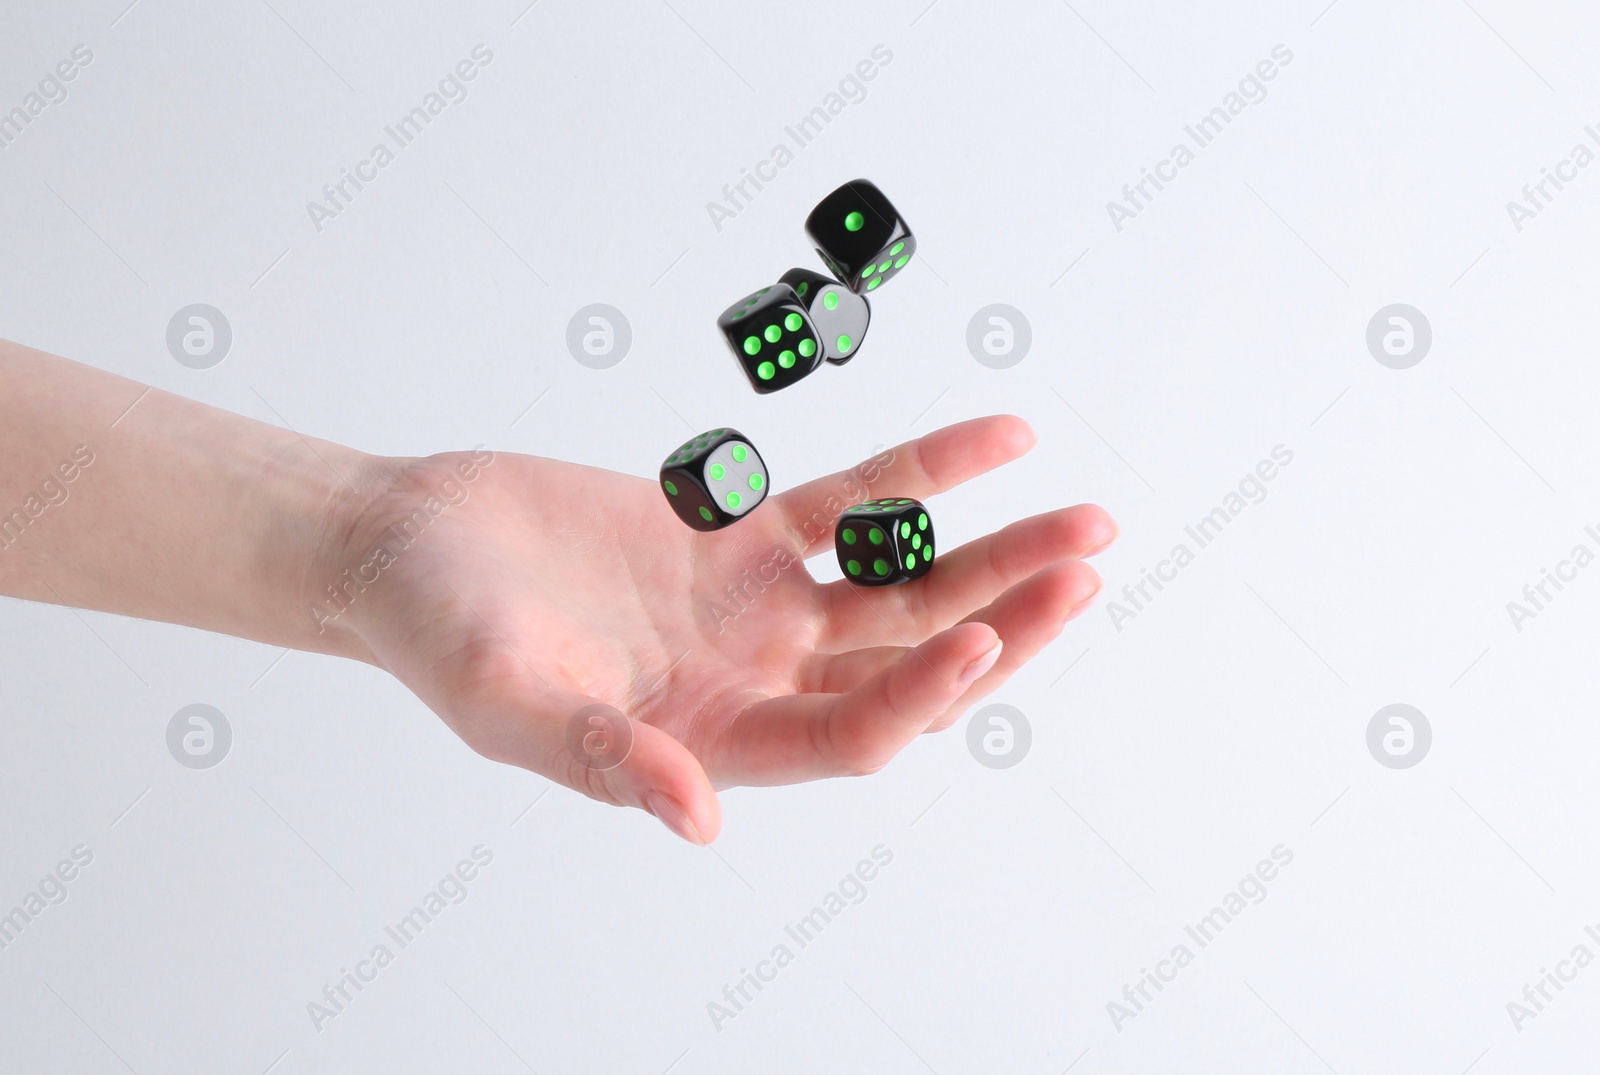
(918, 468)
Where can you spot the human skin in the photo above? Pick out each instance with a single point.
(507, 623)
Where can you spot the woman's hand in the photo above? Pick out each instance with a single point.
(527, 590)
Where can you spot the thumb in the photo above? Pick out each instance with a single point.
(593, 748)
(616, 758)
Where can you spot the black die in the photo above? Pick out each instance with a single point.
(860, 235)
(884, 542)
(714, 480)
(840, 315)
(772, 336)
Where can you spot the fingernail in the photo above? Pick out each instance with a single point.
(673, 816)
(1082, 606)
(1106, 544)
(981, 664)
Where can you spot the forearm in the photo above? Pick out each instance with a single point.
(131, 500)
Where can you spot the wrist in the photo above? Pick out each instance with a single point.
(373, 524)
(316, 547)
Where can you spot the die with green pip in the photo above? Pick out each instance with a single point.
(860, 236)
(714, 480)
(773, 337)
(884, 542)
(840, 315)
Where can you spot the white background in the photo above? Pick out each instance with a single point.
(1168, 757)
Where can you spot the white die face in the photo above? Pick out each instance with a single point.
(845, 320)
(743, 483)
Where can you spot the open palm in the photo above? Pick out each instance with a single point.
(552, 588)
